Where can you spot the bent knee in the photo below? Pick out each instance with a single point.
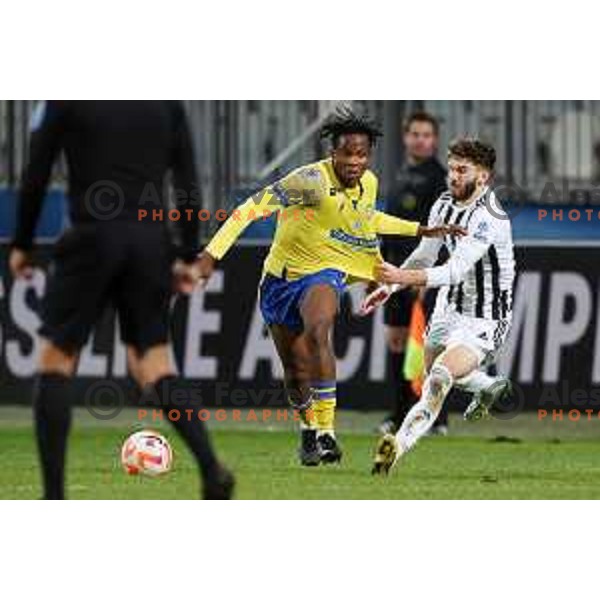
(318, 332)
(152, 365)
(440, 377)
(296, 368)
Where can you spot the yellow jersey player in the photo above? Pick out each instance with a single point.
(326, 238)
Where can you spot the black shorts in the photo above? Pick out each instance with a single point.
(96, 265)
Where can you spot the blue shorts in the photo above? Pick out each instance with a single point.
(280, 299)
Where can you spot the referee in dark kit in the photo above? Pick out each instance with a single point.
(117, 153)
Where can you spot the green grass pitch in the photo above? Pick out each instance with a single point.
(522, 458)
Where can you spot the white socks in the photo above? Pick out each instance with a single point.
(435, 389)
(424, 413)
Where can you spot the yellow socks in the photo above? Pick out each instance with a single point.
(324, 406)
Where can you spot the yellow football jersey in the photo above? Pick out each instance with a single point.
(320, 224)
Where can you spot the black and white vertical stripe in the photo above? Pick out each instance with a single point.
(486, 291)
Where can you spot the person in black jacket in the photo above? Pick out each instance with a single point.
(419, 183)
(119, 155)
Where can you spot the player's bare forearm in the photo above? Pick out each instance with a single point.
(389, 274)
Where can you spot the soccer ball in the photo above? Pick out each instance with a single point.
(146, 453)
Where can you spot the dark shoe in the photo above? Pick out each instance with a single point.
(308, 452)
(221, 488)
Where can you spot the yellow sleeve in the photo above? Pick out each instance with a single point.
(388, 225)
(304, 187)
(261, 205)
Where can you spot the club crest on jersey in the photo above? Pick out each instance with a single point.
(482, 232)
(312, 173)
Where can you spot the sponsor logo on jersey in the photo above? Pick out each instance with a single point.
(353, 240)
(482, 232)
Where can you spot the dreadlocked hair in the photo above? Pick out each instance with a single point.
(345, 121)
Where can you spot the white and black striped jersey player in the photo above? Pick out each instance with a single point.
(472, 315)
(474, 303)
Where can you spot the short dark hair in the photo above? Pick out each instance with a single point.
(475, 151)
(422, 116)
(345, 121)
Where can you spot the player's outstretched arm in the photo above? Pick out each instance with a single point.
(439, 231)
(259, 206)
(467, 253)
(389, 225)
(424, 255)
(391, 275)
(302, 186)
(464, 257)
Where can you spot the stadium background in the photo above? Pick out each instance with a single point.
(548, 158)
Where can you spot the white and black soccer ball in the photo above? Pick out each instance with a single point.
(146, 453)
